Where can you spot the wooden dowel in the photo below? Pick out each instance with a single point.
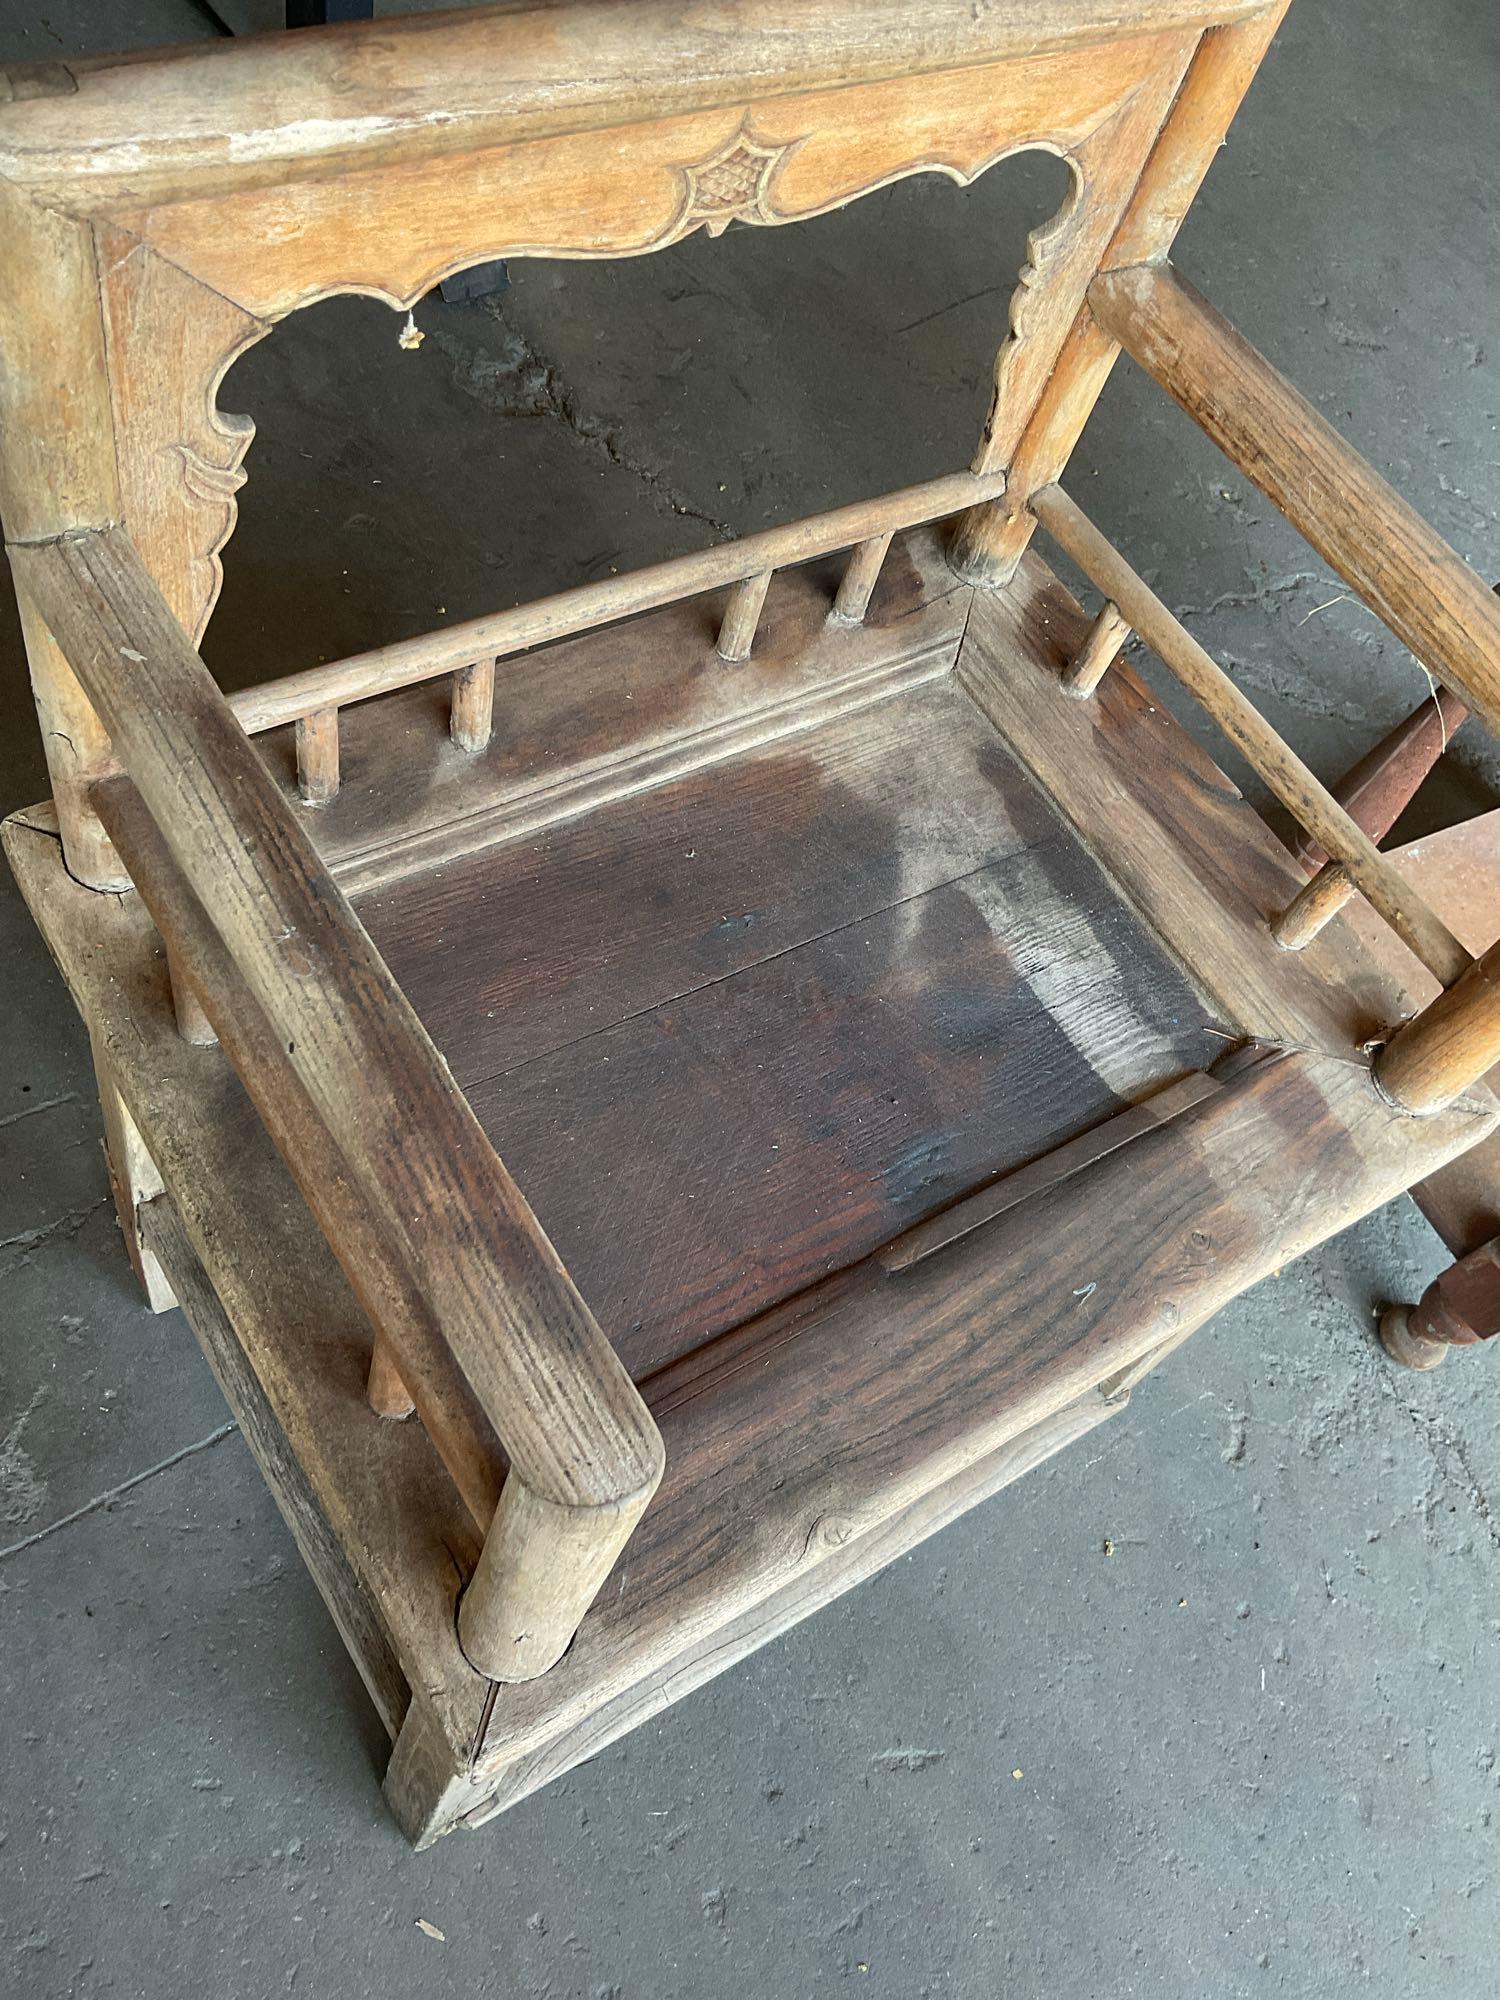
(471, 722)
(859, 580)
(388, 1395)
(742, 615)
(578, 610)
(318, 756)
(1313, 906)
(1381, 547)
(1283, 771)
(1450, 1045)
(1098, 653)
(192, 1023)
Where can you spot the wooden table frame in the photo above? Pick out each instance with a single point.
(158, 215)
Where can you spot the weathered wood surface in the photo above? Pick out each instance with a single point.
(502, 634)
(381, 1488)
(827, 1418)
(606, 717)
(572, 1425)
(358, 1614)
(1361, 527)
(1310, 802)
(462, 1430)
(119, 131)
(989, 541)
(1170, 828)
(738, 1032)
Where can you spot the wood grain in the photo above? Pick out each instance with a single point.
(1310, 803)
(1367, 534)
(571, 1423)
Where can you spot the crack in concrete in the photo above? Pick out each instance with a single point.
(33, 1110)
(27, 1242)
(525, 384)
(116, 1492)
(1266, 593)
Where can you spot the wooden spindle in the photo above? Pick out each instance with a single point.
(1375, 793)
(742, 615)
(859, 580)
(1450, 1045)
(388, 1394)
(192, 1023)
(318, 756)
(1098, 653)
(1309, 802)
(472, 721)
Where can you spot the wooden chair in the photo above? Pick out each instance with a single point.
(872, 993)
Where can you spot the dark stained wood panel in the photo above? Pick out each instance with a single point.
(520, 949)
(704, 1159)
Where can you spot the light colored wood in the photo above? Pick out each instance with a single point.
(574, 1429)
(1361, 527)
(859, 580)
(1309, 802)
(388, 1395)
(591, 604)
(57, 471)
(134, 1181)
(741, 616)
(118, 132)
(990, 540)
(1449, 1046)
(318, 756)
(1108, 634)
(471, 720)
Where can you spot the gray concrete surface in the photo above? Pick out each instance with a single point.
(1253, 1749)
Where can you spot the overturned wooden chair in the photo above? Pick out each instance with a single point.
(872, 995)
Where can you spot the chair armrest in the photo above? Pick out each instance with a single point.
(461, 1241)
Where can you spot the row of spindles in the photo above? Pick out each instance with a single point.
(471, 726)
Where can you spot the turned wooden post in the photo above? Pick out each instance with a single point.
(1460, 1308)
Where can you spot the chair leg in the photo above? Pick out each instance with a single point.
(1460, 1308)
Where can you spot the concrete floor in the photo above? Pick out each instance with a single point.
(1252, 1750)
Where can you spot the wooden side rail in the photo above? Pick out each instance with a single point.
(1308, 801)
(1381, 547)
(584, 1454)
(866, 527)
